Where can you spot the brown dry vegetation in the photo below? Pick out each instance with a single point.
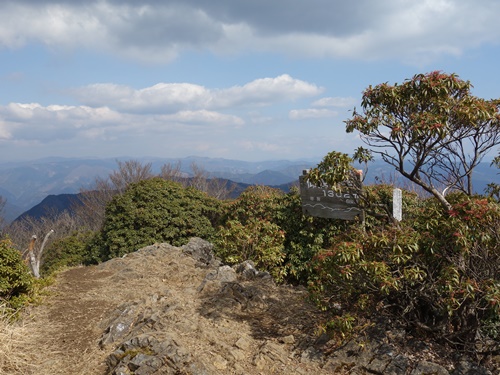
(58, 336)
(240, 327)
(61, 335)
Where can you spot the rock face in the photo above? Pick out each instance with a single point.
(186, 313)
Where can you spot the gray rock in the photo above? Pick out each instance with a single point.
(429, 368)
(216, 278)
(146, 354)
(243, 343)
(468, 368)
(247, 271)
(226, 274)
(201, 251)
(311, 354)
(149, 335)
(122, 321)
(398, 365)
(290, 339)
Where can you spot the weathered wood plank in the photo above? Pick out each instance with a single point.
(327, 203)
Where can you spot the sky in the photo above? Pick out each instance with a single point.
(248, 80)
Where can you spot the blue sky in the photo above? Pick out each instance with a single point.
(237, 79)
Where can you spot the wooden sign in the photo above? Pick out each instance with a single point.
(325, 202)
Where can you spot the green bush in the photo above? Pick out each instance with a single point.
(305, 236)
(69, 251)
(438, 272)
(156, 210)
(377, 201)
(16, 281)
(249, 231)
(268, 227)
(258, 240)
(256, 202)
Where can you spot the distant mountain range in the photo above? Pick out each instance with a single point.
(26, 184)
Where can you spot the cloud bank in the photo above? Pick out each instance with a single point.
(107, 110)
(172, 97)
(157, 31)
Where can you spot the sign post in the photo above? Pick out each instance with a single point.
(322, 201)
(397, 204)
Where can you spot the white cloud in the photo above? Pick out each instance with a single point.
(112, 112)
(48, 123)
(158, 31)
(173, 97)
(312, 113)
(335, 102)
(204, 117)
(160, 98)
(264, 91)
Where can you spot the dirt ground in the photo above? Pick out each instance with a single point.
(60, 335)
(195, 318)
(230, 333)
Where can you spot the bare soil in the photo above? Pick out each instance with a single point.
(209, 320)
(264, 333)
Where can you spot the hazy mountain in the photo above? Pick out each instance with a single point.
(26, 184)
(379, 171)
(52, 205)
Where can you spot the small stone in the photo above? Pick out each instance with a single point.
(468, 368)
(237, 354)
(398, 365)
(239, 370)
(310, 354)
(219, 363)
(290, 339)
(379, 365)
(496, 360)
(243, 343)
(428, 368)
(226, 274)
(301, 371)
(260, 362)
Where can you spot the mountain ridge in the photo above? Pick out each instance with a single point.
(26, 184)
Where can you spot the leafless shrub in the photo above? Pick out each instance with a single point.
(90, 209)
(31, 236)
(393, 179)
(199, 178)
(173, 172)
(128, 172)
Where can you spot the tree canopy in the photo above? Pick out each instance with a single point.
(430, 128)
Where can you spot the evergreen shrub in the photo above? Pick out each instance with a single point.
(155, 210)
(16, 281)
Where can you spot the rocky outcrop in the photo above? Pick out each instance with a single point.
(197, 316)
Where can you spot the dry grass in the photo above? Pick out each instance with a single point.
(60, 335)
(32, 345)
(13, 337)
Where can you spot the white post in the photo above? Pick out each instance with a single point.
(39, 255)
(397, 204)
(35, 257)
(32, 257)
